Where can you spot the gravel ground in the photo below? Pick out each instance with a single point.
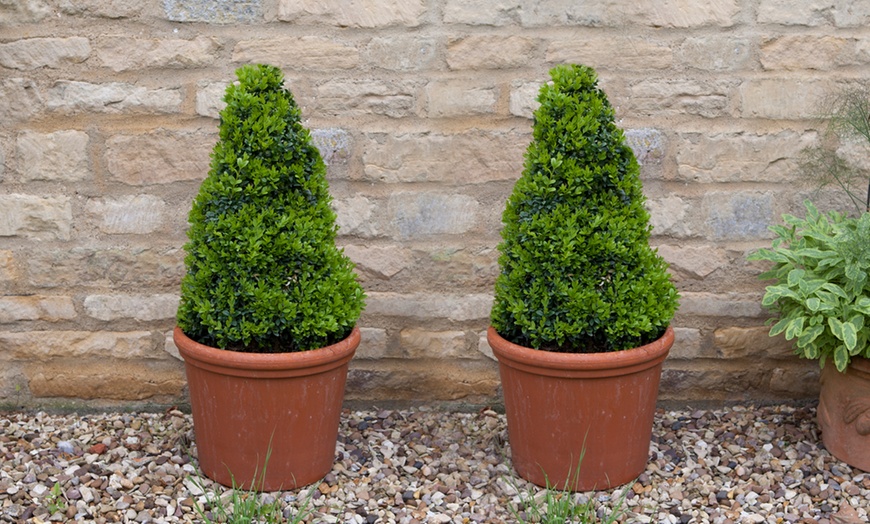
(741, 464)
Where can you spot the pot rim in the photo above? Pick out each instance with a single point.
(608, 363)
(327, 357)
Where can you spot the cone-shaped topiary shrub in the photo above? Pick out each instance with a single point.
(263, 271)
(577, 271)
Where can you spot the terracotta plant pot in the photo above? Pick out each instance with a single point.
(248, 405)
(844, 412)
(564, 406)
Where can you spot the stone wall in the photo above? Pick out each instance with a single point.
(422, 110)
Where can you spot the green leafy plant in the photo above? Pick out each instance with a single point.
(55, 500)
(821, 298)
(263, 271)
(577, 271)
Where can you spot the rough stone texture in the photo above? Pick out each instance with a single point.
(740, 157)
(606, 54)
(61, 156)
(457, 308)
(688, 345)
(137, 307)
(8, 272)
(739, 342)
(682, 96)
(467, 158)
(159, 157)
(19, 99)
(424, 214)
(796, 52)
(136, 266)
(213, 11)
(373, 345)
(23, 11)
(421, 343)
(349, 97)
(361, 13)
(44, 346)
(105, 380)
(716, 53)
(524, 98)
(380, 262)
(490, 52)
(114, 9)
(354, 216)
(38, 218)
(140, 214)
(692, 261)
(307, 52)
(81, 97)
(210, 98)
(34, 53)
(458, 98)
(779, 98)
(737, 305)
(48, 308)
(114, 52)
(785, 12)
(740, 215)
(668, 217)
(402, 52)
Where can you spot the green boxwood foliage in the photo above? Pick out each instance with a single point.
(577, 271)
(821, 298)
(263, 271)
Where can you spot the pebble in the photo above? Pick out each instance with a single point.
(735, 465)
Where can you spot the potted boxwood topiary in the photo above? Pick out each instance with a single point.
(269, 304)
(580, 322)
(821, 295)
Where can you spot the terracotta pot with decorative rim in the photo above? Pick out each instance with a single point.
(844, 412)
(248, 405)
(564, 406)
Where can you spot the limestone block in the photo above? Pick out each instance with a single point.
(472, 157)
(421, 343)
(449, 98)
(799, 52)
(363, 97)
(458, 308)
(210, 98)
(159, 157)
(139, 214)
(359, 13)
(31, 216)
(680, 96)
(685, 13)
(138, 307)
(740, 215)
(480, 12)
(23, 11)
(786, 12)
(686, 380)
(19, 100)
(695, 262)
(307, 53)
(648, 145)
(415, 215)
(382, 262)
(668, 216)
(483, 346)
(704, 304)
(90, 380)
(42, 346)
(61, 156)
(73, 97)
(755, 342)
(373, 344)
(36, 307)
(354, 216)
(402, 52)
(114, 52)
(740, 157)
(688, 344)
(33, 53)
(8, 271)
(801, 381)
(605, 52)
(715, 52)
(848, 13)
(524, 98)
(129, 266)
(491, 52)
(113, 9)
(781, 98)
(169, 346)
(334, 144)
(213, 11)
